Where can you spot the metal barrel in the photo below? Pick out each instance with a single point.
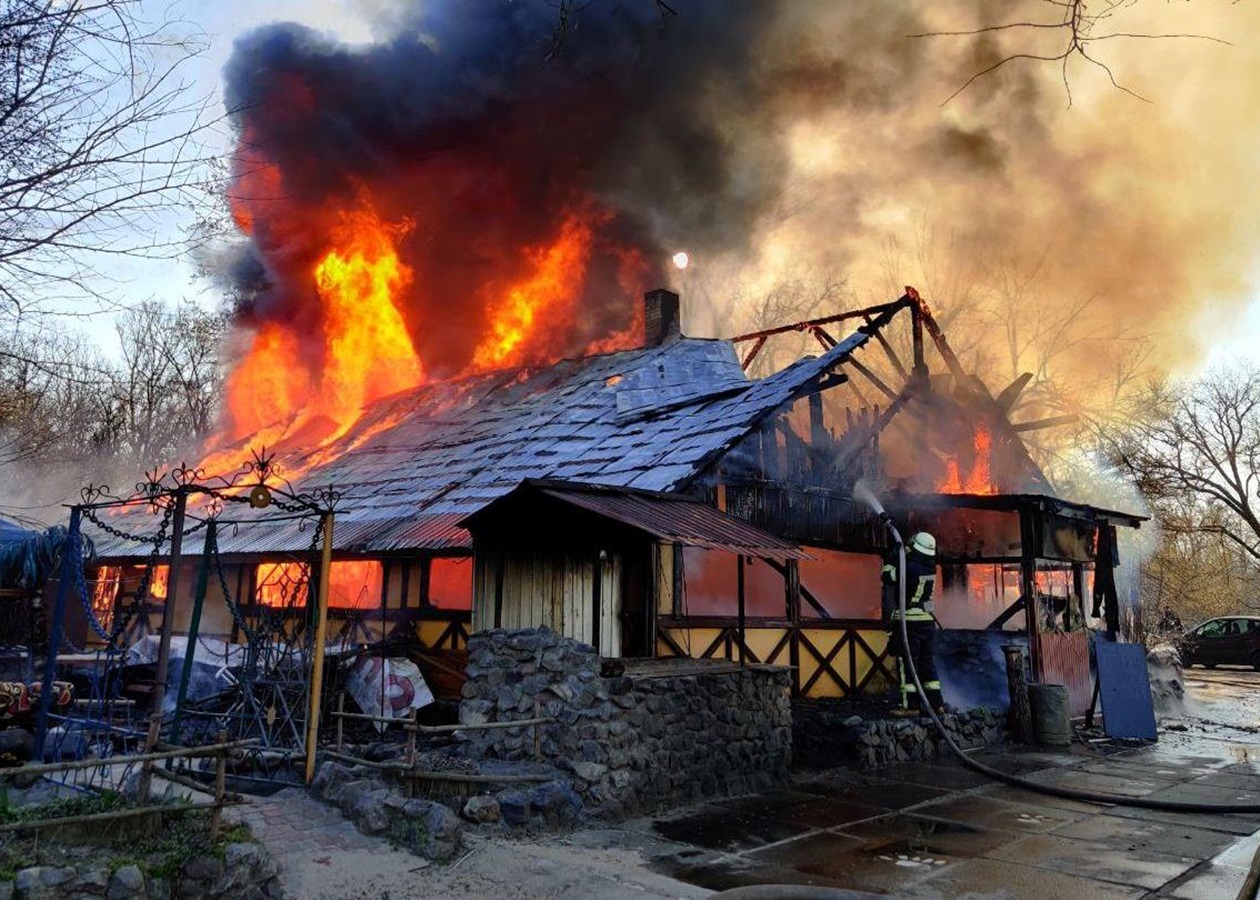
(1050, 720)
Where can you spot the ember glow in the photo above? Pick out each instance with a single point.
(979, 477)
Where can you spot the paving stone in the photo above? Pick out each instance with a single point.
(1209, 881)
(854, 862)
(1230, 780)
(914, 834)
(1102, 863)
(992, 878)
(1022, 796)
(719, 828)
(1158, 837)
(1193, 792)
(1227, 823)
(949, 777)
(988, 812)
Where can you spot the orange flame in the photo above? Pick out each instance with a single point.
(551, 292)
(292, 392)
(352, 584)
(979, 480)
(367, 352)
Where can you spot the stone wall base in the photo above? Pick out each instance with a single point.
(827, 734)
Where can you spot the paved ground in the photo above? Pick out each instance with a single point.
(915, 831)
(943, 831)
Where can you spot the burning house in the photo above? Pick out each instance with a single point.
(438, 237)
(657, 501)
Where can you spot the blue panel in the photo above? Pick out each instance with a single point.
(1125, 691)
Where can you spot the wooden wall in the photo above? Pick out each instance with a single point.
(529, 588)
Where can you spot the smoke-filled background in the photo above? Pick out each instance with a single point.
(534, 164)
(775, 142)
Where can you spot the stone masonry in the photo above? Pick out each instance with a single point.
(827, 734)
(632, 743)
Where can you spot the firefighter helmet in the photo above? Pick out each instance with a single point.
(924, 543)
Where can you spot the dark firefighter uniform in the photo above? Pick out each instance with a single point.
(920, 623)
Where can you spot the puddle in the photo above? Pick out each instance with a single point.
(873, 864)
(721, 828)
(917, 835)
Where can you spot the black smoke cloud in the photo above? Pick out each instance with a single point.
(485, 123)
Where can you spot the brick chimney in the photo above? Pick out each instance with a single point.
(662, 321)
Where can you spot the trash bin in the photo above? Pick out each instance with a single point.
(1050, 720)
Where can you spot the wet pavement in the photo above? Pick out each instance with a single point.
(940, 830)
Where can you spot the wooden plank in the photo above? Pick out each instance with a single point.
(1050, 422)
(610, 593)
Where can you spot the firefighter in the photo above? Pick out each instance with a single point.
(920, 624)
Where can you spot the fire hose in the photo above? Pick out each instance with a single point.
(863, 494)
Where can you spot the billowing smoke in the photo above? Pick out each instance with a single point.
(483, 132)
(767, 139)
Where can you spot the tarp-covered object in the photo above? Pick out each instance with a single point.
(390, 688)
(28, 557)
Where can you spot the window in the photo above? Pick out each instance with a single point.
(355, 584)
(1215, 628)
(352, 584)
(450, 582)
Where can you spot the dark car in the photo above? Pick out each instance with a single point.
(1229, 641)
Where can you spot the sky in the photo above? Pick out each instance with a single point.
(220, 23)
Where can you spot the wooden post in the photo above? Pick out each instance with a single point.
(164, 644)
(1020, 712)
(220, 781)
(817, 423)
(739, 584)
(341, 727)
(679, 584)
(317, 650)
(596, 601)
(919, 369)
(499, 563)
(792, 586)
(1028, 587)
(411, 737)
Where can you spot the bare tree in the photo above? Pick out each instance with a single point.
(1060, 33)
(1202, 443)
(99, 138)
(164, 394)
(68, 415)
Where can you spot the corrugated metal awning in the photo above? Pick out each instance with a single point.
(668, 517)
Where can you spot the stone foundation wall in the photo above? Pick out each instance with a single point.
(633, 743)
(826, 734)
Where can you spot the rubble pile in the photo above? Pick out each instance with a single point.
(631, 743)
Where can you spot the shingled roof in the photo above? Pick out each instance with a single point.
(418, 462)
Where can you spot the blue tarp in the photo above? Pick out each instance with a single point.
(11, 533)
